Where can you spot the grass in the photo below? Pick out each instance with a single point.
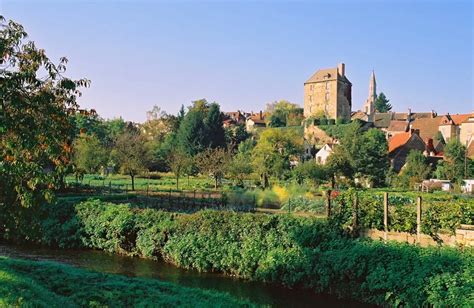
(25, 283)
(165, 182)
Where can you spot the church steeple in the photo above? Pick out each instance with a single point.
(369, 107)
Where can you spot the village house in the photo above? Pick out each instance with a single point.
(254, 121)
(323, 154)
(400, 145)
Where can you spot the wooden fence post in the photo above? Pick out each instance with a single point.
(355, 213)
(385, 214)
(418, 218)
(328, 203)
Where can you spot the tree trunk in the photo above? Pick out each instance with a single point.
(265, 180)
(133, 181)
(215, 183)
(177, 182)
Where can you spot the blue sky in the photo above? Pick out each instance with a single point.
(244, 54)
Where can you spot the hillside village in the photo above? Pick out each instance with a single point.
(327, 96)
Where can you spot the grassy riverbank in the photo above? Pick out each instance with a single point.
(294, 251)
(27, 283)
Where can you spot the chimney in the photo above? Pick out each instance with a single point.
(261, 115)
(341, 68)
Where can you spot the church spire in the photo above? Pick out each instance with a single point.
(369, 106)
(372, 86)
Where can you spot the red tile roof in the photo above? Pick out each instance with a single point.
(459, 118)
(398, 140)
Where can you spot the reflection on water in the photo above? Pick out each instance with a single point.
(261, 293)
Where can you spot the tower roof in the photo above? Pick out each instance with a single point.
(325, 75)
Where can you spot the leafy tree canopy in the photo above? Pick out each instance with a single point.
(35, 129)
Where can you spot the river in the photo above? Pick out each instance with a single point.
(257, 292)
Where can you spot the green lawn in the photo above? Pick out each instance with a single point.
(25, 283)
(167, 181)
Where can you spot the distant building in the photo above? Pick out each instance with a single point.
(400, 145)
(323, 154)
(369, 106)
(328, 92)
(466, 132)
(254, 121)
(468, 186)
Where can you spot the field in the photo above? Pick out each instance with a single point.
(26, 283)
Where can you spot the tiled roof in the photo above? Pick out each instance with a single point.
(428, 127)
(382, 120)
(326, 74)
(398, 126)
(460, 118)
(398, 140)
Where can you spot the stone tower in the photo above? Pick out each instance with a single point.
(328, 92)
(369, 107)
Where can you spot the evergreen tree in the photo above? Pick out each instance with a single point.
(192, 135)
(382, 103)
(215, 134)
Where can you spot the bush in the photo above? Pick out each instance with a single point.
(331, 122)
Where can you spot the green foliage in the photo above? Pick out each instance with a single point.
(25, 283)
(271, 155)
(310, 170)
(131, 154)
(416, 169)
(213, 162)
(452, 167)
(283, 113)
(440, 213)
(294, 251)
(201, 128)
(89, 154)
(361, 155)
(382, 103)
(36, 133)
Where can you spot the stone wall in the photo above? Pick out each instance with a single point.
(464, 236)
(321, 97)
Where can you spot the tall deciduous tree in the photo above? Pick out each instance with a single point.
(180, 163)
(89, 154)
(131, 154)
(382, 103)
(361, 155)
(35, 128)
(273, 152)
(213, 162)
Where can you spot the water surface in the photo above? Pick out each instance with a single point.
(257, 292)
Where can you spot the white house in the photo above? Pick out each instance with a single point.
(445, 185)
(468, 186)
(323, 154)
